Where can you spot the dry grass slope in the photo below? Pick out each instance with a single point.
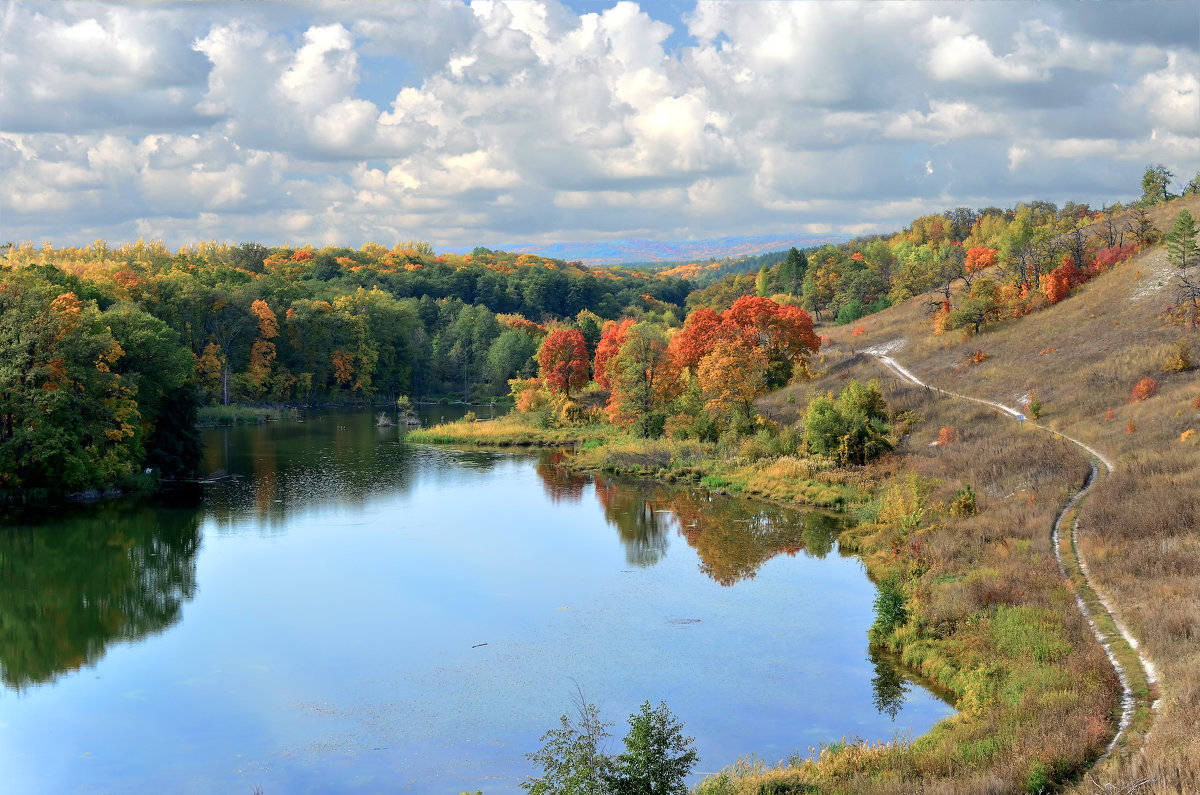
(1140, 529)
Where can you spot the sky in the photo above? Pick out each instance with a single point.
(537, 122)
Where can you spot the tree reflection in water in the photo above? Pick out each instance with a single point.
(640, 521)
(560, 484)
(74, 581)
(733, 537)
(888, 685)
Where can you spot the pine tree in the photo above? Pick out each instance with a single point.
(1182, 250)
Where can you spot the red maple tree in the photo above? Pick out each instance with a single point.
(563, 360)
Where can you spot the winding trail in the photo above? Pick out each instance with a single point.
(1112, 641)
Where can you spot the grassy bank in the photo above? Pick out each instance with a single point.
(511, 430)
(218, 416)
(769, 465)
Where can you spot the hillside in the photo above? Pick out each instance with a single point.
(1140, 527)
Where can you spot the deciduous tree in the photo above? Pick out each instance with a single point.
(658, 756)
(696, 339)
(644, 380)
(783, 332)
(612, 337)
(732, 375)
(1156, 183)
(563, 360)
(67, 420)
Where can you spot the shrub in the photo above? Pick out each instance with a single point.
(528, 394)
(978, 357)
(657, 757)
(946, 436)
(1181, 360)
(1144, 390)
(850, 429)
(1057, 283)
(1033, 406)
(1196, 402)
(1107, 257)
(963, 503)
(1109, 416)
(1039, 779)
(572, 757)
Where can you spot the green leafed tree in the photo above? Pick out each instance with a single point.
(657, 756)
(67, 420)
(510, 356)
(853, 428)
(572, 757)
(980, 306)
(791, 272)
(1156, 184)
(644, 381)
(762, 282)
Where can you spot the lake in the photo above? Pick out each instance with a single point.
(344, 611)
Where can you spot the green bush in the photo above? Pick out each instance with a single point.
(963, 503)
(890, 609)
(851, 429)
(1039, 779)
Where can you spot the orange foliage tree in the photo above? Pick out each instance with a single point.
(612, 336)
(343, 366)
(732, 376)
(696, 339)
(563, 360)
(262, 352)
(980, 258)
(644, 380)
(521, 323)
(783, 332)
(1056, 284)
(1144, 389)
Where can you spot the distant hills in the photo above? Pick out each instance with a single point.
(635, 250)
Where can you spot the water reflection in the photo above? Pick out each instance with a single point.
(820, 533)
(560, 484)
(75, 580)
(889, 688)
(641, 519)
(270, 472)
(733, 537)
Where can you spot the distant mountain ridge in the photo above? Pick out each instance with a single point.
(637, 250)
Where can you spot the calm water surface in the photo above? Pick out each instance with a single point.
(348, 612)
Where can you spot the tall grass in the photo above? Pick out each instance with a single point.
(241, 415)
